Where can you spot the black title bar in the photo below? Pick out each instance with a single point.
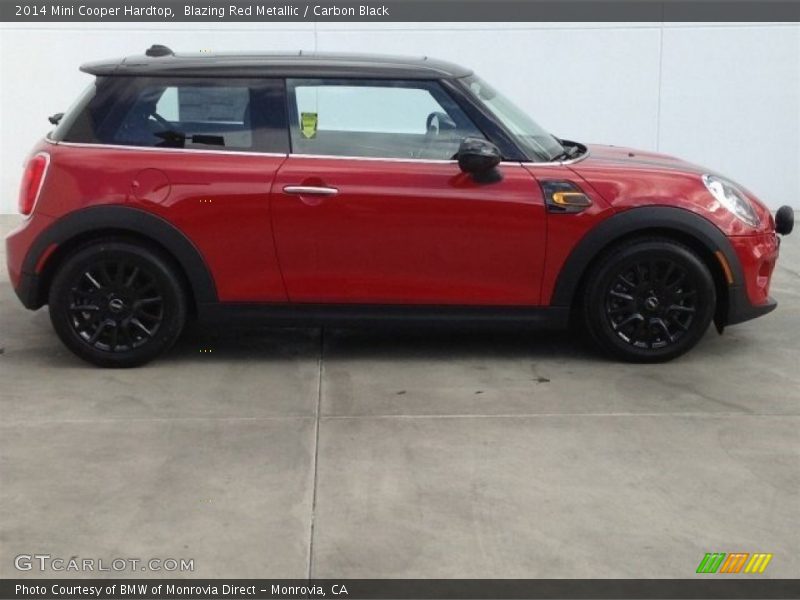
(706, 586)
(33, 11)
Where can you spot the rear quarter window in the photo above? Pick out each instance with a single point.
(186, 113)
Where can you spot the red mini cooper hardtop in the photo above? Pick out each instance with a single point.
(311, 189)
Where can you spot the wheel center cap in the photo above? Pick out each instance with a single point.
(116, 305)
(651, 303)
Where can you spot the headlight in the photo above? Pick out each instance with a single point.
(731, 198)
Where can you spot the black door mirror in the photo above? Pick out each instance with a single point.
(477, 156)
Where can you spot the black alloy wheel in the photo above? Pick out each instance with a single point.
(652, 303)
(117, 304)
(649, 300)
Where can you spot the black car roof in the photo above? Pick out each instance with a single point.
(160, 61)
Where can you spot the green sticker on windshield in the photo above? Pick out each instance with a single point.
(308, 124)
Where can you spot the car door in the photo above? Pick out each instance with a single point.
(371, 207)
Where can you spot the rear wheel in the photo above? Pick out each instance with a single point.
(649, 300)
(117, 304)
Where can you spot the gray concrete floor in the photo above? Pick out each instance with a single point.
(358, 454)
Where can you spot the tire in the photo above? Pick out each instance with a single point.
(648, 300)
(117, 303)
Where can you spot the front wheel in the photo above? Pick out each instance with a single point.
(649, 300)
(117, 304)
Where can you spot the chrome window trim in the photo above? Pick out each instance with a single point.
(374, 158)
(300, 155)
(400, 160)
(152, 149)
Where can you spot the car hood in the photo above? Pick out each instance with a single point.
(611, 157)
(628, 178)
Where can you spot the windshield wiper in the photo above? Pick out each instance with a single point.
(569, 152)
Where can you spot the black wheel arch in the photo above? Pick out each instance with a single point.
(103, 222)
(689, 228)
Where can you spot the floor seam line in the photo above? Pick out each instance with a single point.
(316, 453)
(555, 415)
(150, 420)
(321, 417)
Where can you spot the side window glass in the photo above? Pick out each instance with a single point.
(191, 116)
(377, 119)
(167, 105)
(218, 114)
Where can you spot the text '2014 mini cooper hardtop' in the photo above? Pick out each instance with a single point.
(311, 189)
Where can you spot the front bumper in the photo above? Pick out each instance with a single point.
(740, 309)
(757, 255)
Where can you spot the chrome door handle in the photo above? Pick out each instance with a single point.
(310, 190)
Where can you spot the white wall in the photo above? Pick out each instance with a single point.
(723, 95)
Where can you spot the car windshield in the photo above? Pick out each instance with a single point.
(528, 132)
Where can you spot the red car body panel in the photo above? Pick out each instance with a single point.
(409, 232)
(220, 201)
(445, 240)
(629, 178)
(758, 255)
(565, 231)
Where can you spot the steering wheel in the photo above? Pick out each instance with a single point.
(438, 121)
(435, 123)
